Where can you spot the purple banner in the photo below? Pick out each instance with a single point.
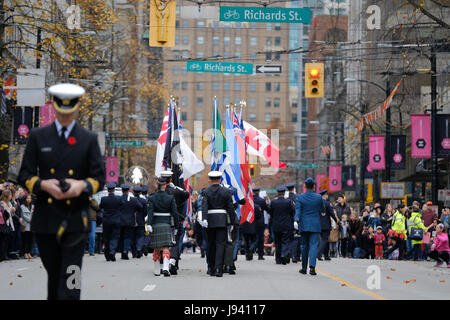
(420, 136)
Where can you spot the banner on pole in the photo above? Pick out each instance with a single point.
(349, 178)
(112, 169)
(398, 152)
(443, 135)
(335, 183)
(420, 136)
(321, 184)
(376, 152)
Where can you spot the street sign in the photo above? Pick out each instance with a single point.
(392, 190)
(219, 67)
(267, 14)
(126, 143)
(304, 166)
(268, 69)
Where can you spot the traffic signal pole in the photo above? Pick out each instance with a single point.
(434, 190)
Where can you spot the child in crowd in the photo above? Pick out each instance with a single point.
(268, 243)
(344, 235)
(379, 240)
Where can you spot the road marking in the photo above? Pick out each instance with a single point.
(149, 287)
(21, 269)
(348, 284)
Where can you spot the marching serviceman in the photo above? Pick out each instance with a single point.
(129, 205)
(217, 212)
(281, 211)
(259, 221)
(62, 166)
(181, 196)
(111, 221)
(162, 217)
(325, 226)
(146, 245)
(139, 229)
(248, 230)
(294, 241)
(307, 214)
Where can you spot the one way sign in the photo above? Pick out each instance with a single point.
(268, 69)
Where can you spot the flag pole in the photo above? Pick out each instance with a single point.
(214, 132)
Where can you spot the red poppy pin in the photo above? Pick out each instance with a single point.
(71, 141)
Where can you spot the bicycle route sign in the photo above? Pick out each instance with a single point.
(267, 14)
(219, 67)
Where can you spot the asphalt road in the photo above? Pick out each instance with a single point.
(256, 280)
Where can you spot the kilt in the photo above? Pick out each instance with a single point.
(161, 236)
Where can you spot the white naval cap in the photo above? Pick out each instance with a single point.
(66, 96)
(166, 173)
(215, 174)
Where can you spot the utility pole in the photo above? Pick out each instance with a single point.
(388, 132)
(434, 164)
(362, 169)
(38, 66)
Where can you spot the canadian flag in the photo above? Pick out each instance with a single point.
(260, 145)
(161, 145)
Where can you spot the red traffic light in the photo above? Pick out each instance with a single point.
(314, 73)
(252, 166)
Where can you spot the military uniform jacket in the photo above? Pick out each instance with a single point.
(48, 157)
(180, 198)
(325, 215)
(307, 211)
(140, 215)
(162, 208)
(281, 211)
(111, 213)
(129, 205)
(217, 206)
(259, 215)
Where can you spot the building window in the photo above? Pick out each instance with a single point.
(237, 86)
(252, 102)
(276, 86)
(237, 54)
(268, 56)
(199, 115)
(184, 70)
(226, 86)
(294, 117)
(226, 101)
(277, 41)
(200, 86)
(185, 54)
(216, 24)
(227, 25)
(253, 41)
(276, 115)
(216, 40)
(268, 26)
(252, 117)
(200, 24)
(184, 85)
(176, 85)
(185, 24)
(200, 54)
(253, 55)
(184, 101)
(253, 25)
(276, 56)
(268, 102)
(177, 24)
(176, 54)
(215, 85)
(177, 40)
(200, 40)
(176, 71)
(294, 103)
(185, 39)
(237, 40)
(199, 101)
(238, 25)
(267, 117)
(268, 41)
(184, 116)
(227, 53)
(277, 26)
(268, 86)
(276, 102)
(252, 86)
(226, 41)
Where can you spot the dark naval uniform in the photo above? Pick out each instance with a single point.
(248, 230)
(294, 241)
(281, 211)
(61, 226)
(129, 205)
(218, 211)
(260, 207)
(325, 224)
(139, 228)
(111, 223)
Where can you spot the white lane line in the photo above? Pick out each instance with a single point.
(149, 287)
(21, 269)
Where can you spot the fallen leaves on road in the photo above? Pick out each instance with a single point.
(406, 281)
(343, 285)
(199, 270)
(441, 280)
(113, 276)
(413, 280)
(19, 276)
(10, 283)
(392, 269)
(102, 286)
(388, 277)
(40, 267)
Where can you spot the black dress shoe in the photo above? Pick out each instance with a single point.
(294, 260)
(125, 256)
(312, 272)
(112, 257)
(138, 255)
(218, 272)
(320, 259)
(166, 273)
(107, 257)
(173, 270)
(261, 258)
(283, 261)
(327, 259)
(233, 267)
(302, 271)
(231, 271)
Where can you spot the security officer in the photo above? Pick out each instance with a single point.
(248, 230)
(217, 207)
(139, 228)
(129, 205)
(294, 240)
(291, 193)
(325, 225)
(146, 245)
(181, 197)
(62, 166)
(307, 214)
(162, 217)
(111, 221)
(281, 211)
(262, 206)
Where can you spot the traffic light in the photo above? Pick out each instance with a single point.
(314, 80)
(162, 23)
(252, 170)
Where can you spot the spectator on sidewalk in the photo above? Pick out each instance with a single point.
(344, 236)
(27, 236)
(356, 227)
(379, 240)
(341, 208)
(440, 249)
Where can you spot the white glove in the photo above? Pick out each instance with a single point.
(295, 225)
(231, 228)
(175, 232)
(205, 224)
(172, 185)
(149, 227)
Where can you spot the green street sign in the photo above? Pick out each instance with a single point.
(219, 67)
(267, 14)
(304, 166)
(126, 143)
